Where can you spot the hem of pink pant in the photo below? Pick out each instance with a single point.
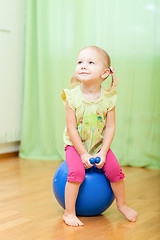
(118, 179)
(74, 180)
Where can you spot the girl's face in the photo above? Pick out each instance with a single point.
(90, 66)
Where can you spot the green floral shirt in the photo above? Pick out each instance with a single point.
(91, 117)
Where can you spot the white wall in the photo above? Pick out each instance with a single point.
(12, 24)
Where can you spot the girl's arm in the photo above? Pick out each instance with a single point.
(71, 122)
(108, 137)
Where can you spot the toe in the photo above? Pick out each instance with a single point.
(80, 223)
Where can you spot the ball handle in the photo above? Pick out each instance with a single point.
(92, 160)
(95, 160)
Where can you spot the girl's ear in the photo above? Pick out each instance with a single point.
(106, 73)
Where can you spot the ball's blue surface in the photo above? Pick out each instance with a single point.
(95, 194)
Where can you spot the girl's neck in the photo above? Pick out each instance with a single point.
(91, 92)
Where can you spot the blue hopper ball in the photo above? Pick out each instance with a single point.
(95, 193)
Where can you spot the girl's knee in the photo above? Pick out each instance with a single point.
(112, 168)
(77, 175)
(115, 174)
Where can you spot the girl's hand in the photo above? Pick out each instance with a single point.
(103, 159)
(85, 159)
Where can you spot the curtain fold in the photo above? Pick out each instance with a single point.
(55, 32)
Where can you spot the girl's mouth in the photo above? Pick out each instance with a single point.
(84, 73)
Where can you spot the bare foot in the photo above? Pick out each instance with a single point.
(128, 213)
(72, 220)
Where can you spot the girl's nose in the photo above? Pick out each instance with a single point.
(83, 66)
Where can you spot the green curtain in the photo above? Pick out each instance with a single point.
(130, 32)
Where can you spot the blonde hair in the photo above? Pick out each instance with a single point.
(107, 64)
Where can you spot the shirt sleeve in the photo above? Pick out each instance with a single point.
(67, 95)
(112, 100)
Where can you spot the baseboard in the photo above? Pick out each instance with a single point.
(9, 155)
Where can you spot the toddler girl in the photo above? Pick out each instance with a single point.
(90, 128)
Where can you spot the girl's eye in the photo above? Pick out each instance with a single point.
(79, 62)
(91, 62)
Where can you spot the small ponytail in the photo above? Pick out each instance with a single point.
(74, 81)
(114, 84)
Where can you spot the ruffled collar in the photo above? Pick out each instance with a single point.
(91, 101)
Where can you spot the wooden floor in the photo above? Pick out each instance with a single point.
(29, 211)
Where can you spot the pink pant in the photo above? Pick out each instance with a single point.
(76, 168)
